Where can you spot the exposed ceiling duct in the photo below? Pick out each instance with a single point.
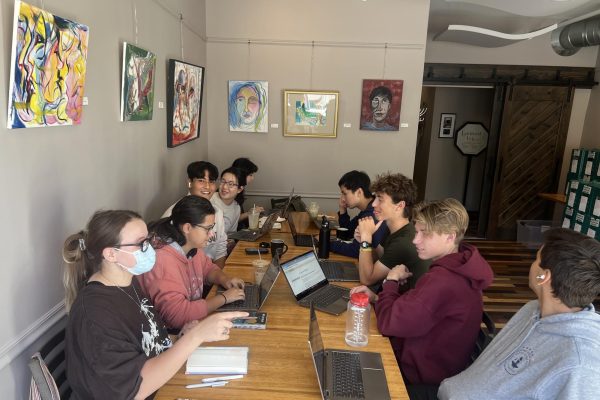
(567, 40)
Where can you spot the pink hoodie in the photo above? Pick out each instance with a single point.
(433, 327)
(175, 285)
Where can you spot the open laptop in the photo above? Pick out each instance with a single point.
(333, 224)
(344, 374)
(300, 239)
(338, 271)
(309, 285)
(252, 236)
(285, 209)
(255, 295)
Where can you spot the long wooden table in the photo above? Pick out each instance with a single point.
(280, 364)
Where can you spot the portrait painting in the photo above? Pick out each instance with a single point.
(380, 106)
(248, 106)
(47, 69)
(185, 84)
(137, 83)
(310, 113)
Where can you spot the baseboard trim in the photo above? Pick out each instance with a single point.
(11, 350)
(273, 193)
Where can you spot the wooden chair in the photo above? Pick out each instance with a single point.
(48, 371)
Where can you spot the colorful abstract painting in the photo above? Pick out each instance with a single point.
(380, 107)
(137, 83)
(248, 106)
(47, 72)
(310, 113)
(184, 105)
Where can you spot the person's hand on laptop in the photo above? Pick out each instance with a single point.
(233, 294)
(363, 289)
(399, 273)
(234, 283)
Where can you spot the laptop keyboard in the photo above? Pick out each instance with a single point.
(325, 297)
(347, 376)
(250, 291)
(304, 240)
(331, 270)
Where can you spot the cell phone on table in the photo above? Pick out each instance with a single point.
(256, 250)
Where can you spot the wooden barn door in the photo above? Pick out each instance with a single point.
(532, 140)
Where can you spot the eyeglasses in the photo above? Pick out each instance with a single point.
(203, 181)
(230, 184)
(206, 228)
(143, 245)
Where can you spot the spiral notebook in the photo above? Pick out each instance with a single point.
(218, 360)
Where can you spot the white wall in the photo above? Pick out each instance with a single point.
(447, 165)
(314, 165)
(54, 178)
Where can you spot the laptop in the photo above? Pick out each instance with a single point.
(333, 224)
(344, 374)
(300, 239)
(284, 210)
(309, 285)
(338, 271)
(252, 236)
(255, 295)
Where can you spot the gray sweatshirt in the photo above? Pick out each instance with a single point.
(556, 357)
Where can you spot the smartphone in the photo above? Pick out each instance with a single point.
(256, 250)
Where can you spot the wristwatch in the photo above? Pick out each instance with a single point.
(365, 245)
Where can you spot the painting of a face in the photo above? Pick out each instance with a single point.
(248, 111)
(247, 105)
(380, 106)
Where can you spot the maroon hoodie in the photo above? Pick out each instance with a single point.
(433, 327)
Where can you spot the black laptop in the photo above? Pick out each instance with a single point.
(344, 374)
(300, 239)
(285, 209)
(253, 235)
(338, 271)
(309, 285)
(255, 295)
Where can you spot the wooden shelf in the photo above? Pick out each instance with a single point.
(556, 197)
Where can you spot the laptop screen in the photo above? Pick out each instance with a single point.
(292, 225)
(315, 341)
(268, 280)
(303, 273)
(268, 224)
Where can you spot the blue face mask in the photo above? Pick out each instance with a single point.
(144, 261)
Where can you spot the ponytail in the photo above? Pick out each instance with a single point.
(189, 210)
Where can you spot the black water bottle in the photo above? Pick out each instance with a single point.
(324, 238)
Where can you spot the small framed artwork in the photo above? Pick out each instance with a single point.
(380, 106)
(447, 125)
(137, 83)
(185, 83)
(248, 106)
(310, 113)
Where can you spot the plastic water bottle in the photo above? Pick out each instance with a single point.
(324, 239)
(357, 320)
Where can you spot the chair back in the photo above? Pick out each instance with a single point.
(484, 337)
(48, 371)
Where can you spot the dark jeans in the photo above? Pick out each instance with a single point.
(422, 392)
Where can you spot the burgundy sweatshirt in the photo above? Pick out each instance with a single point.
(433, 327)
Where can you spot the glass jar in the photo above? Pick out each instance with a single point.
(357, 320)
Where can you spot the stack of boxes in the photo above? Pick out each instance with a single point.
(582, 212)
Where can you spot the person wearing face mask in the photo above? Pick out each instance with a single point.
(202, 181)
(233, 181)
(175, 284)
(116, 345)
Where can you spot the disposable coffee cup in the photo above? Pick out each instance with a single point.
(260, 267)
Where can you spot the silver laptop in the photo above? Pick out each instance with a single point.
(300, 239)
(255, 295)
(344, 374)
(338, 271)
(252, 236)
(309, 285)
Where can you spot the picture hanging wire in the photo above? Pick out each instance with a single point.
(385, 48)
(248, 63)
(181, 35)
(42, 5)
(135, 23)
(312, 63)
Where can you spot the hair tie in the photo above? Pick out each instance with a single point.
(82, 244)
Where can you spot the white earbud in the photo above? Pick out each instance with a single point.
(540, 277)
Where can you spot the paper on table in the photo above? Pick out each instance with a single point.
(218, 360)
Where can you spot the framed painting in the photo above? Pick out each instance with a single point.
(380, 105)
(137, 83)
(447, 125)
(185, 84)
(310, 113)
(248, 106)
(47, 70)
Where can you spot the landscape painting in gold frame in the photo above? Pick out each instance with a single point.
(310, 113)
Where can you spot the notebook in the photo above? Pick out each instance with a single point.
(309, 285)
(255, 295)
(218, 360)
(255, 320)
(300, 239)
(344, 374)
(253, 235)
(338, 271)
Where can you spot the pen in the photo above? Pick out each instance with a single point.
(222, 378)
(209, 384)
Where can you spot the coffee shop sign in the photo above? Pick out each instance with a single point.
(472, 138)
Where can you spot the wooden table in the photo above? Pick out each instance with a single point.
(280, 365)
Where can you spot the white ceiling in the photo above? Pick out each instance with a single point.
(507, 16)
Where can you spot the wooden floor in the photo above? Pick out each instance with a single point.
(510, 288)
